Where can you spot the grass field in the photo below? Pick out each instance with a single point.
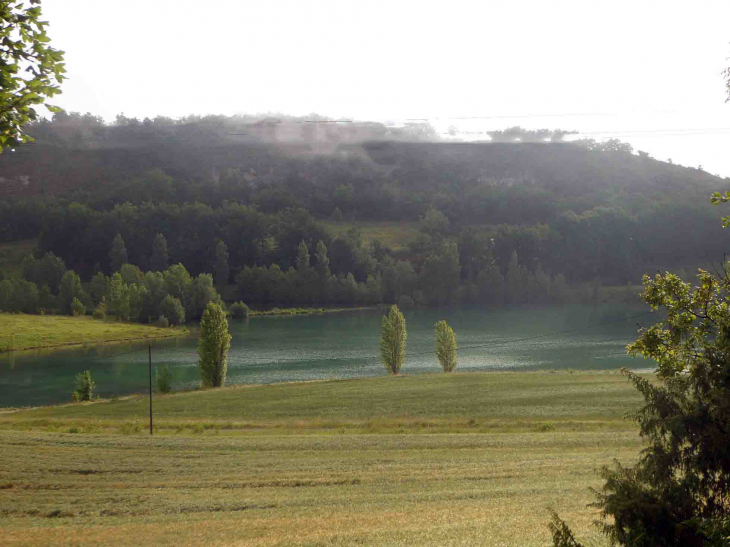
(461, 459)
(18, 331)
(396, 235)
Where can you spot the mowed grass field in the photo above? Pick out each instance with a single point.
(434, 459)
(18, 331)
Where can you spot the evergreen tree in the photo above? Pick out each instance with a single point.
(119, 304)
(490, 285)
(213, 346)
(99, 287)
(306, 289)
(678, 493)
(323, 270)
(393, 340)
(222, 271)
(118, 254)
(69, 289)
(302, 257)
(441, 273)
(160, 257)
(515, 280)
(445, 346)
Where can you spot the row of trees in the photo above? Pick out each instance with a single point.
(605, 242)
(393, 342)
(446, 269)
(129, 294)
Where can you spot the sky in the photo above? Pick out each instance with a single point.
(646, 72)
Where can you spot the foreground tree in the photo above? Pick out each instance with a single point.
(445, 346)
(213, 346)
(393, 340)
(24, 47)
(679, 492)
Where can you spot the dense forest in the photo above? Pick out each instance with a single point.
(524, 217)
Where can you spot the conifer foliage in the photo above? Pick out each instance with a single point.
(679, 492)
(213, 346)
(393, 340)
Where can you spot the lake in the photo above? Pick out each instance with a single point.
(340, 345)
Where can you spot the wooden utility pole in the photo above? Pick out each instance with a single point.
(150, 355)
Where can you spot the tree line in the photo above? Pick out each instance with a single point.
(340, 270)
(169, 297)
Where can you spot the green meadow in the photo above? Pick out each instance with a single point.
(19, 331)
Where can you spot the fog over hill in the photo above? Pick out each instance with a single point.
(584, 209)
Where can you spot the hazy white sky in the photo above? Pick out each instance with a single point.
(624, 67)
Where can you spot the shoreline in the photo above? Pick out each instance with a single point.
(92, 342)
(300, 383)
(25, 332)
(306, 311)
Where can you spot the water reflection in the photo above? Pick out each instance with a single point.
(344, 345)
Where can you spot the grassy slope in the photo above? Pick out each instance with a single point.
(396, 235)
(19, 331)
(250, 478)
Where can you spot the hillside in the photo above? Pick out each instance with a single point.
(474, 220)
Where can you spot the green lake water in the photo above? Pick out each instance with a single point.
(340, 345)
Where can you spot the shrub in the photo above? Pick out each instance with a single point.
(77, 308)
(163, 378)
(100, 312)
(239, 310)
(162, 322)
(84, 387)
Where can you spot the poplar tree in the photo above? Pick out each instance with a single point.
(445, 346)
(213, 346)
(393, 340)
